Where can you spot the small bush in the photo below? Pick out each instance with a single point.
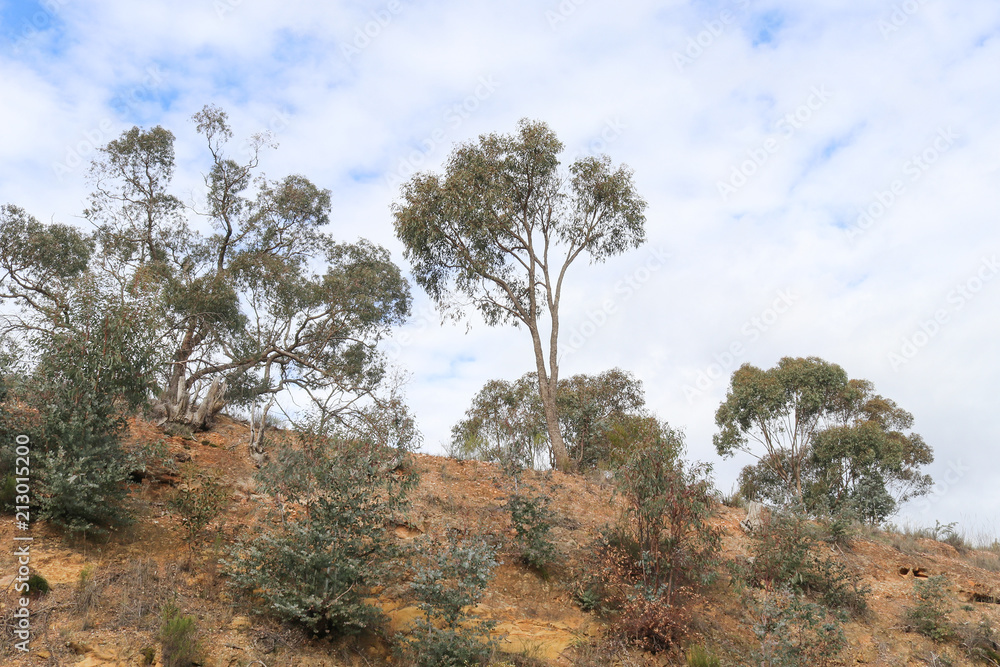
(979, 641)
(327, 541)
(452, 579)
(532, 520)
(198, 506)
(37, 584)
(179, 639)
(786, 554)
(8, 490)
(699, 656)
(929, 616)
(792, 631)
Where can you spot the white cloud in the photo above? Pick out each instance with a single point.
(411, 92)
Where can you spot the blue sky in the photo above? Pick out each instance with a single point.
(840, 155)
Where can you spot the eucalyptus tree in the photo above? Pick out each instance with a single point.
(601, 417)
(821, 439)
(501, 228)
(265, 302)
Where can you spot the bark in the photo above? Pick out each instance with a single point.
(547, 386)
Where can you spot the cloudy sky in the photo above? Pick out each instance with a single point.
(822, 177)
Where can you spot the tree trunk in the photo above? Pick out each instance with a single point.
(257, 430)
(201, 417)
(547, 392)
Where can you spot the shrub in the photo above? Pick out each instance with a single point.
(665, 525)
(327, 541)
(792, 631)
(699, 656)
(532, 521)
(979, 641)
(200, 504)
(662, 547)
(8, 490)
(87, 377)
(179, 639)
(37, 584)
(929, 616)
(452, 579)
(785, 554)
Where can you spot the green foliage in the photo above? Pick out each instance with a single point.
(979, 641)
(503, 224)
(649, 565)
(505, 424)
(665, 526)
(822, 440)
(37, 584)
(200, 504)
(699, 656)
(793, 632)
(601, 417)
(452, 579)
(930, 615)
(179, 639)
(327, 542)
(86, 377)
(787, 554)
(8, 490)
(532, 520)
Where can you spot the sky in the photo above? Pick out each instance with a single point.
(822, 178)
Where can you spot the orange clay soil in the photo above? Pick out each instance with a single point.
(106, 596)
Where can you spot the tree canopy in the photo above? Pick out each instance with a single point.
(821, 439)
(501, 227)
(264, 302)
(600, 416)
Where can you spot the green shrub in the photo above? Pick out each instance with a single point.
(87, 378)
(663, 547)
(37, 584)
(786, 553)
(327, 541)
(793, 632)
(200, 504)
(532, 520)
(452, 579)
(8, 490)
(979, 641)
(179, 639)
(929, 616)
(665, 524)
(699, 656)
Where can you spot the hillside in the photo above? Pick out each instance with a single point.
(104, 607)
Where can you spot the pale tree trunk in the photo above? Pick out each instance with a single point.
(547, 387)
(257, 430)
